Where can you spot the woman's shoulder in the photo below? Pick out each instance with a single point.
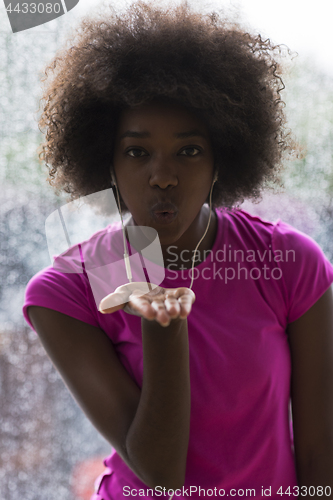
(238, 218)
(64, 285)
(291, 246)
(302, 269)
(60, 291)
(278, 231)
(243, 229)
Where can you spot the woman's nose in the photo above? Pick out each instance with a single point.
(163, 172)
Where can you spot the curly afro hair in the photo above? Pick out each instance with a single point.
(218, 70)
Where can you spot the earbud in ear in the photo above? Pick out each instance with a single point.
(113, 179)
(215, 177)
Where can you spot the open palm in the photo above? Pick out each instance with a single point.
(160, 304)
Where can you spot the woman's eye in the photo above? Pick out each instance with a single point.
(192, 151)
(133, 153)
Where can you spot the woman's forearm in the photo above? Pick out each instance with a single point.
(316, 471)
(157, 440)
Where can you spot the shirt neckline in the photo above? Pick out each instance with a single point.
(174, 275)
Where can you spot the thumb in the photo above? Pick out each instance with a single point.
(114, 301)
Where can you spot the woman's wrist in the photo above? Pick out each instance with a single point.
(152, 326)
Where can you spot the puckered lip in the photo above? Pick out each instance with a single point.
(161, 207)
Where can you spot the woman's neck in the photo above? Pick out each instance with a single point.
(180, 254)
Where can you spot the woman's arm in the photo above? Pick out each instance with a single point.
(158, 437)
(148, 428)
(311, 345)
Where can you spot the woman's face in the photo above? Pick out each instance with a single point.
(163, 155)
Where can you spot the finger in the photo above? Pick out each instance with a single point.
(185, 297)
(142, 305)
(161, 314)
(185, 302)
(118, 299)
(179, 292)
(129, 310)
(172, 306)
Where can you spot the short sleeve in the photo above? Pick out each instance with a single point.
(306, 272)
(63, 292)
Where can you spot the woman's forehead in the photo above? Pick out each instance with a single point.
(161, 114)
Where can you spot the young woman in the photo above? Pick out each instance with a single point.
(181, 113)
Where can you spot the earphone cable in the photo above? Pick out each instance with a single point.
(126, 256)
(195, 251)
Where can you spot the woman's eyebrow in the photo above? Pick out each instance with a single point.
(178, 135)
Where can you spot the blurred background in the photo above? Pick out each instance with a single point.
(48, 448)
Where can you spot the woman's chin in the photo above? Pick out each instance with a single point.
(168, 233)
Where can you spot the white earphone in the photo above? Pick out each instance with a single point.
(126, 256)
(210, 214)
(113, 183)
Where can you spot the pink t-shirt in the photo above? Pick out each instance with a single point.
(259, 277)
